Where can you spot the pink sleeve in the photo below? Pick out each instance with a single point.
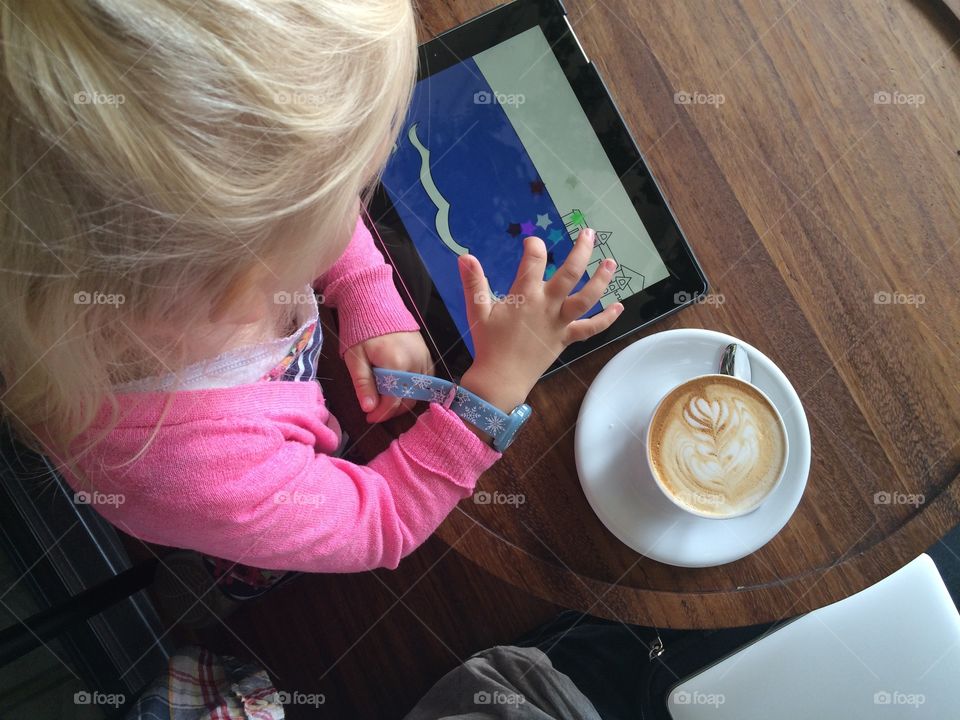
(283, 505)
(360, 286)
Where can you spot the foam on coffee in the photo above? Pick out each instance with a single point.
(717, 445)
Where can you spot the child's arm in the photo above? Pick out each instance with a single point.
(270, 497)
(360, 286)
(375, 327)
(381, 512)
(350, 517)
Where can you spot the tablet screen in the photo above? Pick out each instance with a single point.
(496, 148)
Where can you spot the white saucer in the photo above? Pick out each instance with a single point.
(611, 453)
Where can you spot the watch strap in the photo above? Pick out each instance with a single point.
(471, 408)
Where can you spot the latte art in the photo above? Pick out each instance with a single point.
(717, 445)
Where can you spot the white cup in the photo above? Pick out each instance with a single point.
(696, 511)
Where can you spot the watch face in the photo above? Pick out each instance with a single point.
(515, 421)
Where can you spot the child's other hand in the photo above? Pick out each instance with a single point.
(398, 351)
(517, 339)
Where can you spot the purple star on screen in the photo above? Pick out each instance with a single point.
(528, 228)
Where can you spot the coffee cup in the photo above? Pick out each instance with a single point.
(717, 446)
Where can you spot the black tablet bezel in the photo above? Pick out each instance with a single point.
(686, 282)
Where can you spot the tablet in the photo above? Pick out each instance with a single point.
(511, 132)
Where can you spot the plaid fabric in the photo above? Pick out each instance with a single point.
(199, 685)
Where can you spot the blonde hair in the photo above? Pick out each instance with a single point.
(157, 151)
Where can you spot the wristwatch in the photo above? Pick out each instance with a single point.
(501, 426)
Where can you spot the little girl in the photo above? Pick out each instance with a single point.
(179, 177)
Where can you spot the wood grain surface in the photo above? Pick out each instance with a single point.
(810, 201)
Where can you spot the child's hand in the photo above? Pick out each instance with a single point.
(516, 340)
(399, 351)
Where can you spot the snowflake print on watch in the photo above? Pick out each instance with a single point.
(387, 383)
(494, 424)
(461, 400)
(422, 382)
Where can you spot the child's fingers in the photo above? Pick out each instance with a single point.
(397, 407)
(363, 381)
(386, 409)
(588, 327)
(586, 297)
(569, 274)
(476, 289)
(532, 266)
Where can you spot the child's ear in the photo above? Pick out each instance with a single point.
(243, 302)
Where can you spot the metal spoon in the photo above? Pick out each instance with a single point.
(735, 362)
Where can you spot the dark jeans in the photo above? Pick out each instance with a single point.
(610, 662)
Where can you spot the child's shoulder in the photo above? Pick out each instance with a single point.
(253, 401)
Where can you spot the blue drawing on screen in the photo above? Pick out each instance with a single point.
(461, 181)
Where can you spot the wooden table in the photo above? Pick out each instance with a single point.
(804, 196)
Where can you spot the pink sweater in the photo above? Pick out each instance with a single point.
(244, 473)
